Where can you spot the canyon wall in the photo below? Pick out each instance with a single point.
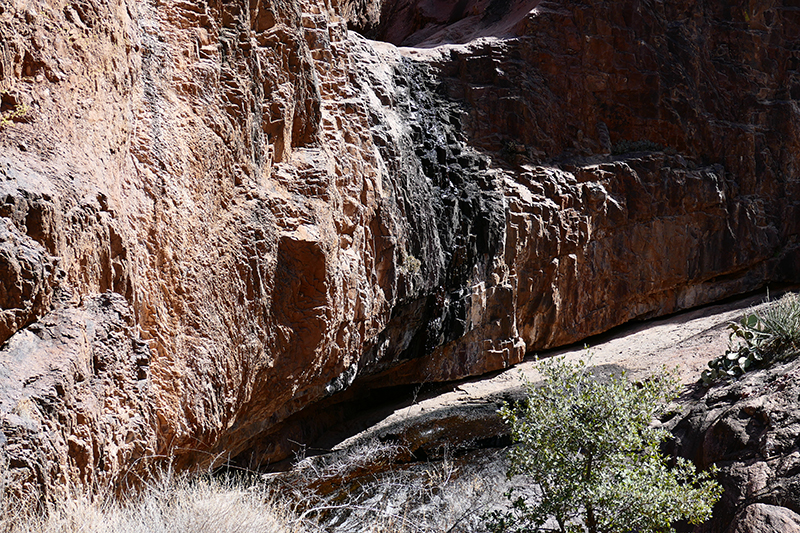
(215, 215)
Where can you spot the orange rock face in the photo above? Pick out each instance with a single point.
(241, 209)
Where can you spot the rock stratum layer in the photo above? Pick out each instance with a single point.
(215, 215)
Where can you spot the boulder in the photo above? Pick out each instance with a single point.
(749, 430)
(763, 518)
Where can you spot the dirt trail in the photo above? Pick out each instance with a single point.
(463, 411)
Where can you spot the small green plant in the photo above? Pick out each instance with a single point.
(593, 459)
(19, 112)
(411, 265)
(758, 339)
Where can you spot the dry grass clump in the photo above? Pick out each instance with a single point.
(371, 487)
(168, 505)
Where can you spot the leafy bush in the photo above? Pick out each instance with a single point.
(758, 339)
(593, 458)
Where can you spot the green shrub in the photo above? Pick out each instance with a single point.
(758, 339)
(593, 458)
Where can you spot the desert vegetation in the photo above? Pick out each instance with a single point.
(586, 459)
(758, 339)
(358, 489)
(588, 448)
(167, 504)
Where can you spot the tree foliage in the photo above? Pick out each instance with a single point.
(589, 449)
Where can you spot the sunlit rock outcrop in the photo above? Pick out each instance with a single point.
(247, 208)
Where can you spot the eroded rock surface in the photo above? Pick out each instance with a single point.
(84, 411)
(763, 518)
(283, 210)
(750, 429)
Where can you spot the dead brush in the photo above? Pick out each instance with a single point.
(167, 503)
(342, 465)
(370, 487)
(375, 487)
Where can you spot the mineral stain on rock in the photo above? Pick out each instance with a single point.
(216, 215)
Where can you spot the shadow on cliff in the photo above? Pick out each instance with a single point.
(427, 24)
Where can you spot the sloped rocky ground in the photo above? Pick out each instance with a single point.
(686, 341)
(749, 428)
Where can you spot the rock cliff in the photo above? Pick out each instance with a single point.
(214, 215)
